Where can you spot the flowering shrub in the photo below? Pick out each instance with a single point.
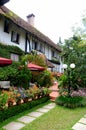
(3, 100)
(14, 110)
(16, 96)
(78, 93)
(11, 97)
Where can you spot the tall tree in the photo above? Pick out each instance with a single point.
(74, 51)
(80, 28)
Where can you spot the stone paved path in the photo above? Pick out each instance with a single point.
(28, 118)
(14, 126)
(54, 91)
(81, 124)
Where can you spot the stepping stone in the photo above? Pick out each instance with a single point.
(83, 120)
(14, 126)
(49, 106)
(85, 116)
(52, 104)
(79, 126)
(35, 114)
(26, 119)
(43, 110)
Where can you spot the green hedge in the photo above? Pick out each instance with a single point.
(9, 72)
(14, 110)
(5, 50)
(71, 102)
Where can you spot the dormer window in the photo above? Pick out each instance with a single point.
(15, 37)
(6, 26)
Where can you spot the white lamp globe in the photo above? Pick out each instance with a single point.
(64, 66)
(72, 65)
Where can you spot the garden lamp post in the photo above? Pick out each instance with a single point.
(72, 66)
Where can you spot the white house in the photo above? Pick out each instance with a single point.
(15, 31)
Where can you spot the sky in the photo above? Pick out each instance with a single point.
(54, 18)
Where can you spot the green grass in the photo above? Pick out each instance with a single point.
(14, 118)
(59, 118)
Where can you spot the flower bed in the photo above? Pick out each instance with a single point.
(19, 95)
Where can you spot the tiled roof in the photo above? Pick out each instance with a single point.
(4, 11)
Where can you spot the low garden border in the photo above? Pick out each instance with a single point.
(12, 111)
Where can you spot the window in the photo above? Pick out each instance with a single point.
(14, 57)
(53, 53)
(34, 45)
(15, 37)
(42, 48)
(6, 26)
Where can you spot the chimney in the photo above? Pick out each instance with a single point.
(30, 19)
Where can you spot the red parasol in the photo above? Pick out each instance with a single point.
(32, 66)
(5, 61)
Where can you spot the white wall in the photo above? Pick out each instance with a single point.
(5, 38)
(47, 51)
(50, 51)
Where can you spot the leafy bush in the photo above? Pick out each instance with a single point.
(18, 77)
(9, 72)
(23, 77)
(45, 91)
(4, 53)
(63, 81)
(57, 75)
(71, 102)
(14, 110)
(5, 50)
(35, 75)
(3, 100)
(45, 79)
(12, 72)
(34, 58)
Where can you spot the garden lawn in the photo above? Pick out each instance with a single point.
(59, 118)
(14, 118)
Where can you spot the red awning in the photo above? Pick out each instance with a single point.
(32, 66)
(5, 61)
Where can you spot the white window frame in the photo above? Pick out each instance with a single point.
(15, 37)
